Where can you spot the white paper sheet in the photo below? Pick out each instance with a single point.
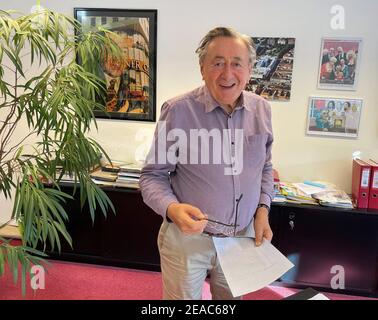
(307, 189)
(248, 268)
(319, 296)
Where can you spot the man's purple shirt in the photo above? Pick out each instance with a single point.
(205, 185)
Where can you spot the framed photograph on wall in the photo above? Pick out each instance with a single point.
(273, 68)
(338, 117)
(339, 63)
(131, 80)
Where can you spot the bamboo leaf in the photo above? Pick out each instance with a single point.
(57, 102)
(64, 233)
(2, 260)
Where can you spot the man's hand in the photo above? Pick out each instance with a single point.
(187, 218)
(262, 227)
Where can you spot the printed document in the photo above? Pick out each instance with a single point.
(319, 296)
(248, 268)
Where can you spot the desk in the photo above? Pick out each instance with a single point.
(315, 238)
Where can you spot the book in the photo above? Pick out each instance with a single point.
(132, 167)
(104, 176)
(295, 195)
(278, 198)
(126, 184)
(334, 198)
(116, 184)
(129, 180)
(129, 174)
(110, 168)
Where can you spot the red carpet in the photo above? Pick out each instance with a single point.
(74, 281)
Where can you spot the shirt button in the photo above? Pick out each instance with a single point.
(232, 142)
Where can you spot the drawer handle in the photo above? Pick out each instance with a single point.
(291, 224)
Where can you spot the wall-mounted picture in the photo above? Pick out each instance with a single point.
(338, 117)
(272, 71)
(130, 79)
(339, 62)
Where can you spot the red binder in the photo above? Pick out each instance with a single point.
(360, 183)
(373, 191)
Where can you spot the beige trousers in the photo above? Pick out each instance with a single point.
(185, 262)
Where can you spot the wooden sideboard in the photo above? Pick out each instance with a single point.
(127, 238)
(330, 247)
(322, 242)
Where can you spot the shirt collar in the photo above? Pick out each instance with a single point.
(211, 104)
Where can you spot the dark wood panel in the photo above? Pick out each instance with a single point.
(322, 242)
(132, 233)
(314, 238)
(127, 238)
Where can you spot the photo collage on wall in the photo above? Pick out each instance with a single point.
(334, 117)
(338, 70)
(339, 64)
(272, 71)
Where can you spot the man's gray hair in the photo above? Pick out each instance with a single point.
(225, 32)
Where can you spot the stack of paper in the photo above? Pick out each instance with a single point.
(335, 198)
(295, 195)
(104, 176)
(129, 174)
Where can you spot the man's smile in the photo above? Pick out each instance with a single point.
(227, 86)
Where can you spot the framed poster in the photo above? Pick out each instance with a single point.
(338, 117)
(131, 79)
(272, 71)
(339, 63)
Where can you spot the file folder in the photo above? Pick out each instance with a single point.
(373, 191)
(360, 183)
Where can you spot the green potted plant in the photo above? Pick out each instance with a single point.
(44, 90)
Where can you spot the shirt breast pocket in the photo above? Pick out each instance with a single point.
(255, 152)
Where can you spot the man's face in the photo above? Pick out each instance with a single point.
(226, 69)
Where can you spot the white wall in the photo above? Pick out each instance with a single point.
(181, 25)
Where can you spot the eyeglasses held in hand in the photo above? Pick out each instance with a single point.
(221, 223)
(234, 225)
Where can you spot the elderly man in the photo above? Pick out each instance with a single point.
(220, 188)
